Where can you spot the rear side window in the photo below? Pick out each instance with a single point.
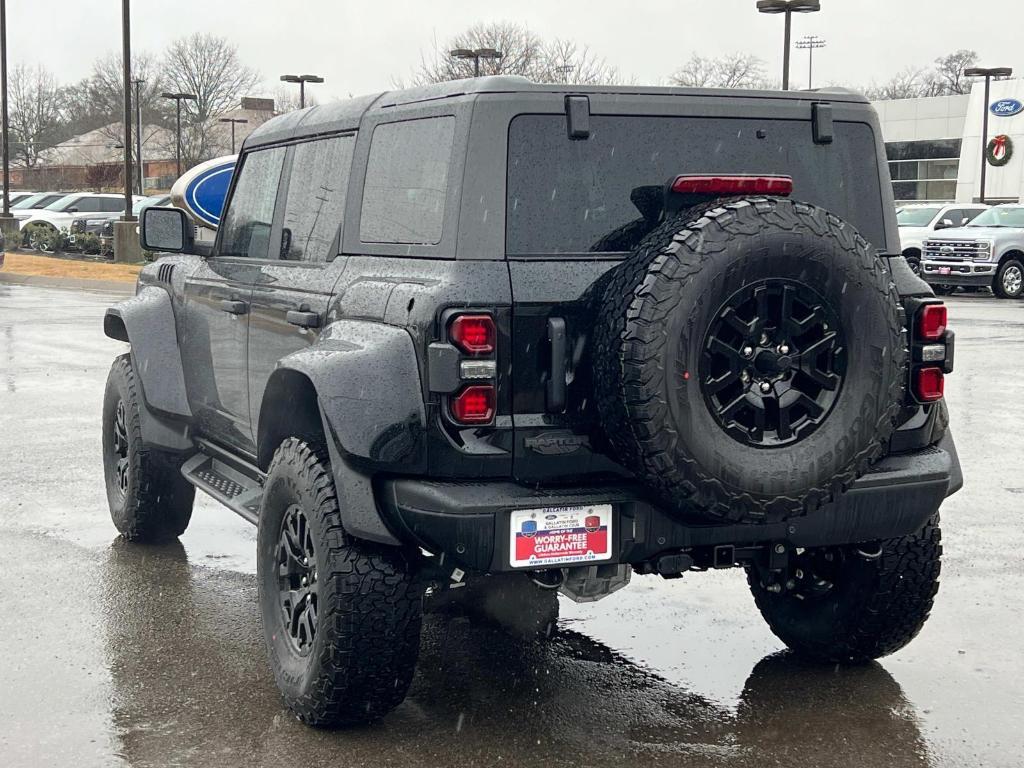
(317, 189)
(245, 229)
(407, 182)
(605, 193)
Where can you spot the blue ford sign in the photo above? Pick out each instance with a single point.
(1006, 107)
(202, 190)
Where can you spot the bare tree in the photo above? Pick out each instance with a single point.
(738, 70)
(286, 99)
(523, 52)
(905, 84)
(36, 119)
(949, 70)
(209, 67)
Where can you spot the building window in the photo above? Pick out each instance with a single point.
(924, 170)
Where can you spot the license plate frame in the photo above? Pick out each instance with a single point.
(944, 270)
(550, 537)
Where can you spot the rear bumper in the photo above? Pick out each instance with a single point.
(468, 522)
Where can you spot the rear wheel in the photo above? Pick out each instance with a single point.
(341, 617)
(1009, 282)
(41, 237)
(854, 603)
(149, 499)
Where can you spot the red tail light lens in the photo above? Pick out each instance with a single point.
(929, 384)
(931, 322)
(733, 185)
(474, 334)
(474, 405)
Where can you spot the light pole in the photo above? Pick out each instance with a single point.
(475, 55)
(301, 80)
(126, 60)
(6, 214)
(233, 121)
(809, 43)
(178, 98)
(788, 7)
(988, 73)
(139, 172)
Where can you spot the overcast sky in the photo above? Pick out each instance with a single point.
(361, 47)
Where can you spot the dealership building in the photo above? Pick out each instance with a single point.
(934, 145)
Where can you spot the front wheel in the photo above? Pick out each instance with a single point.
(1009, 282)
(341, 617)
(854, 603)
(149, 499)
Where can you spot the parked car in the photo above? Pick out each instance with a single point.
(484, 340)
(42, 229)
(105, 227)
(16, 197)
(988, 252)
(920, 221)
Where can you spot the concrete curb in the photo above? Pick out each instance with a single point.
(69, 283)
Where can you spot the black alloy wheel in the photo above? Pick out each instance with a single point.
(297, 579)
(773, 363)
(119, 435)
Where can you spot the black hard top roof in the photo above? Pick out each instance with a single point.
(346, 114)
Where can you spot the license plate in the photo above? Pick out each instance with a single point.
(943, 270)
(555, 536)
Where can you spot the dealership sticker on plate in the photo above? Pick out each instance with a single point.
(541, 538)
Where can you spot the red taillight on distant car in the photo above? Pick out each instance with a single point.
(473, 334)
(931, 322)
(929, 384)
(732, 185)
(474, 405)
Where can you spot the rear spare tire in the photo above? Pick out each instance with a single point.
(749, 359)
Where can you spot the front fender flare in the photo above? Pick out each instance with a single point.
(146, 321)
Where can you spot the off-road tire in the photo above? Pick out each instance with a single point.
(655, 312)
(368, 602)
(876, 605)
(998, 285)
(155, 504)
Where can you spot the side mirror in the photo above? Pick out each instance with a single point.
(72, 210)
(167, 230)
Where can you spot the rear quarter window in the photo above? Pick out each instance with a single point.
(406, 183)
(603, 194)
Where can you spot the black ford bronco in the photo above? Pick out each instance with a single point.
(470, 345)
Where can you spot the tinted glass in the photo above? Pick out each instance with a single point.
(111, 204)
(317, 190)
(29, 202)
(61, 202)
(407, 182)
(605, 193)
(89, 204)
(250, 214)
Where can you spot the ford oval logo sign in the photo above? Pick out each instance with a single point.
(1006, 107)
(202, 190)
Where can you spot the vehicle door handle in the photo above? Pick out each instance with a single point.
(233, 307)
(303, 319)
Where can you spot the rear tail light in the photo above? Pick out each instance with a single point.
(931, 322)
(473, 334)
(733, 185)
(928, 384)
(474, 404)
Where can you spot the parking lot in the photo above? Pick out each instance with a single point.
(124, 655)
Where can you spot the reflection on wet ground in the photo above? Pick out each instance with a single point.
(121, 655)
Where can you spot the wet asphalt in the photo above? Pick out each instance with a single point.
(112, 654)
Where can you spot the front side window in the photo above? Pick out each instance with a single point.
(317, 190)
(407, 182)
(250, 214)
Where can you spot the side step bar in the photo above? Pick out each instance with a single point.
(236, 485)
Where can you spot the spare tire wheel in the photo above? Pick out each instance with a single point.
(750, 359)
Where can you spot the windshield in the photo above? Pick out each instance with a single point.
(63, 202)
(146, 202)
(30, 201)
(915, 217)
(1000, 217)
